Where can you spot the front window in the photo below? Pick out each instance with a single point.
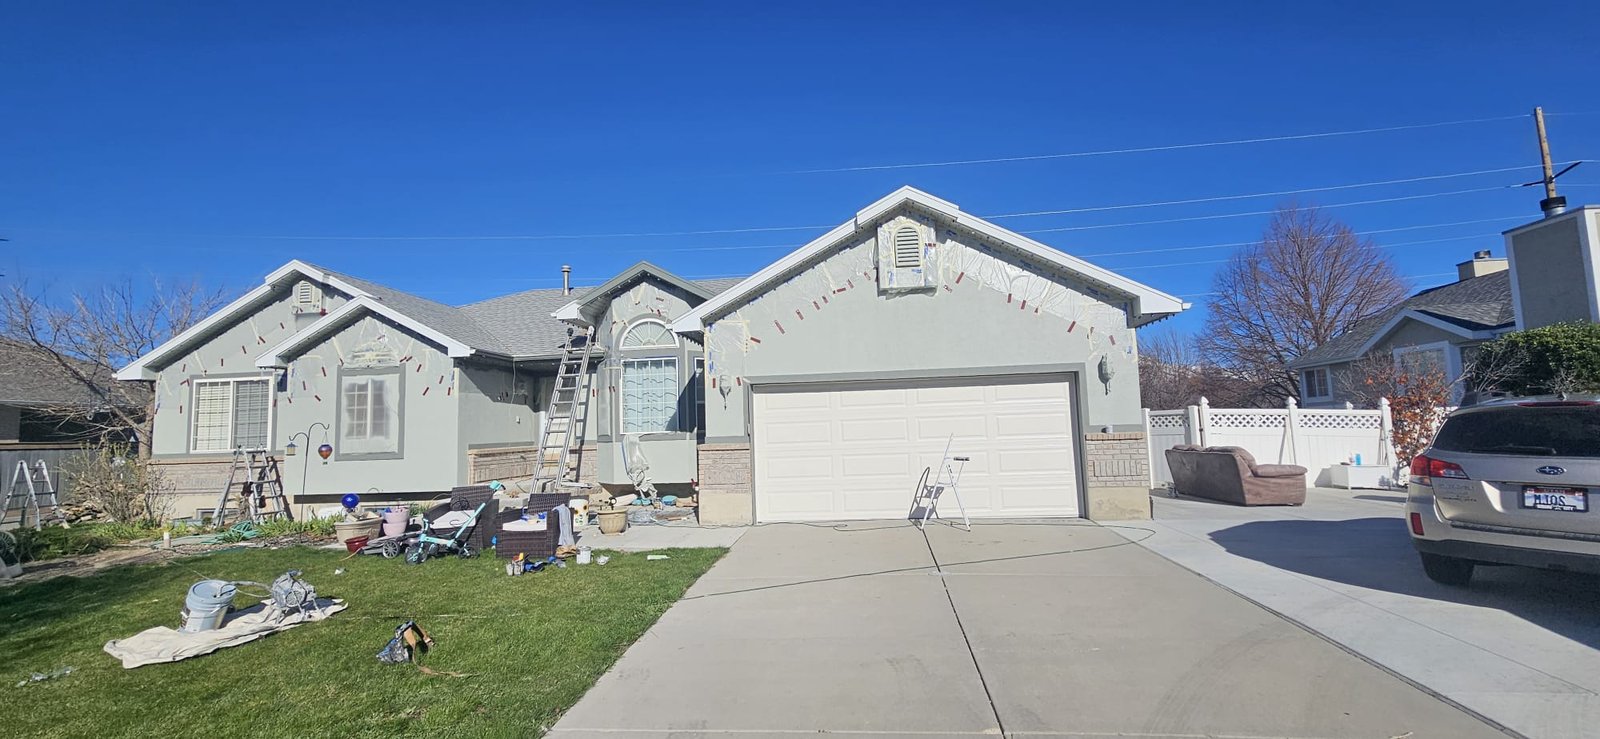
(369, 414)
(231, 414)
(649, 395)
(1316, 383)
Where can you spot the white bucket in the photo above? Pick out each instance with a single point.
(584, 555)
(207, 603)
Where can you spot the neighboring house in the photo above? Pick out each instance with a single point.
(1550, 275)
(818, 388)
(42, 403)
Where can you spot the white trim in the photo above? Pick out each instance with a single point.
(1305, 387)
(571, 313)
(1587, 241)
(279, 355)
(139, 369)
(1571, 212)
(1516, 290)
(622, 342)
(1147, 300)
(233, 395)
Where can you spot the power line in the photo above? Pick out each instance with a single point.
(1262, 212)
(1377, 246)
(1168, 147)
(1249, 243)
(1276, 193)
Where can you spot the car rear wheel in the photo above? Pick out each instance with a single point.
(1447, 570)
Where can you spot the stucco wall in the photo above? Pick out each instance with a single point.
(430, 458)
(990, 314)
(231, 351)
(1551, 277)
(671, 456)
(499, 406)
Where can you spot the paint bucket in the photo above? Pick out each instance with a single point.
(356, 544)
(580, 511)
(394, 521)
(208, 601)
(584, 555)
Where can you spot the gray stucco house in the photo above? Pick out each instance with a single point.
(816, 389)
(1550, 275)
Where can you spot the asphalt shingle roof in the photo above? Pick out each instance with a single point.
(29, 377)
(517, 325)
(1476, 304)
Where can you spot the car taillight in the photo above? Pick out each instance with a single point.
(1425, 468)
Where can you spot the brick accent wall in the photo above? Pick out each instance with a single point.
(725, 484)
(1116, 460)
(724, 468)
(516, 463)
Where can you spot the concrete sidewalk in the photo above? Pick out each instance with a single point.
(1034, 629)
(1521, 647)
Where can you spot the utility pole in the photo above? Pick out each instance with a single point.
(1552, 204)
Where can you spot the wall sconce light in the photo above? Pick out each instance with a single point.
(1106, 372)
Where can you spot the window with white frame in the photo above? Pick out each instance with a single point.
(369, 414)
(649, 334)
(649, 395)
(231, 414)
(1316, 383)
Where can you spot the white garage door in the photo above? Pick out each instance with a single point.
(855, 451)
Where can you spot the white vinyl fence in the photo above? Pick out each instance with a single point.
(1314, 439)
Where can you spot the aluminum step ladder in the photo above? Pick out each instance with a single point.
(31, 484)
(254, 492)
(925, 502)
(565, 417)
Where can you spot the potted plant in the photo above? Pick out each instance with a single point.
(613, 520)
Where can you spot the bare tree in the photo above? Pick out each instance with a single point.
(1175, 372)
(88, 335)
(1418, 393)
(1308, 279)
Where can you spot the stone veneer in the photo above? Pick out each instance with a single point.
(725, 482)
(516, 463)
(197, 483)
(1117, 479)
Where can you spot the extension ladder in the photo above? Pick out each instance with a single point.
(925, 502)
(38, 484)
(255, 490)
(566, 415)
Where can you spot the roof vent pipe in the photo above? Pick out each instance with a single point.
(566, 279)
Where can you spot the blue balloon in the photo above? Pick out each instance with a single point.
(350, 500)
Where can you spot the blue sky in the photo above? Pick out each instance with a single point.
(188, 140)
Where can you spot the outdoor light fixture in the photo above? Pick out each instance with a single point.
(289, 449)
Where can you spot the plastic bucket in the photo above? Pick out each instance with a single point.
(355, 545)
(206, 604)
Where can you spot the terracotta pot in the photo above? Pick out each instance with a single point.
(613, 521)
(347, 530)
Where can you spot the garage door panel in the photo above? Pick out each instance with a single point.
(1018, 426)
(870, 430)
(858, 450)
(801, 432)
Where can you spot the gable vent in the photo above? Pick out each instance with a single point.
(307, 298)
(907, 248)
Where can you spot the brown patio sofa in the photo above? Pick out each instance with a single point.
(1230, 474)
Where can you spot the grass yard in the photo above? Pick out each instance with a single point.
(533, 644)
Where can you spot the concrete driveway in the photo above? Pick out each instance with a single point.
(1034, 629)
(1520, 647)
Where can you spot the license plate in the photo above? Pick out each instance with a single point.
(1555, 499)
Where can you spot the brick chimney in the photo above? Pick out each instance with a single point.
(1481, 264)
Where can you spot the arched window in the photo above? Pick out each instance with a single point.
(907, 247)
(649, 334)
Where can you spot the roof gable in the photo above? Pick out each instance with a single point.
(1148, 304)
(588, 308)
(290, 348)
(1474, 308)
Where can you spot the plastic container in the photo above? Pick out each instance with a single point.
(208, 601)
(585, 555)
(394, 521)
(355, 545)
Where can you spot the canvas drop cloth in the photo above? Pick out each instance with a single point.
(162, 644)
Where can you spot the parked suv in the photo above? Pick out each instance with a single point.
(1509, 482)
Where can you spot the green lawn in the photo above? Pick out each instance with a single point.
(534, 644)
